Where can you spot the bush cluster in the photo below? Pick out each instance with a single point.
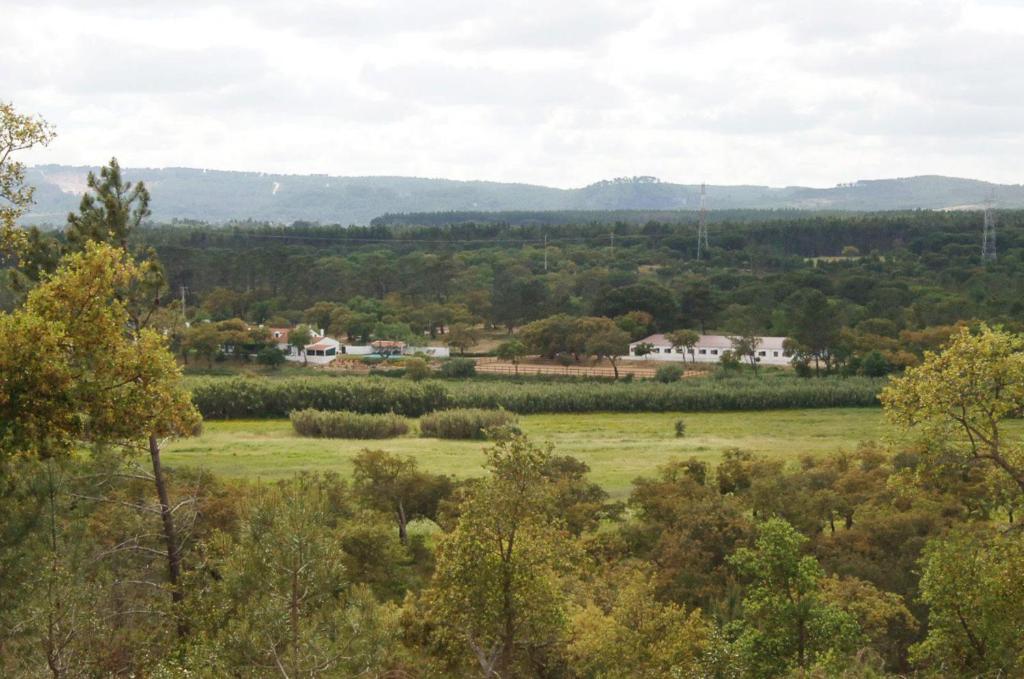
(237, 398)
(242, 397)
(459, 367)
(464, 423)
(342, 424)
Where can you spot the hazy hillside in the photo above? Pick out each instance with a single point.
(218, 196)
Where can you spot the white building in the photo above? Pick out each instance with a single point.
(709, 349)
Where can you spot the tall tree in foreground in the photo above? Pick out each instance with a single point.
(787, 624)
(281, 604)
(959, 400)
(76, 371)
(498, 584)
(973, 583)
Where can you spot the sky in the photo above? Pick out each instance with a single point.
(776, 92)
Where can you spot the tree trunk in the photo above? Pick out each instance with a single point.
(615, 368)
(403, 535)
(170, 534)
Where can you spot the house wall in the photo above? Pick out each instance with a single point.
(712, 354)
(434, 352)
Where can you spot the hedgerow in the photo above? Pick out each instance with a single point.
(464, 423)
(341, 424)
(243, 397)
(236, 398)
(685, 395)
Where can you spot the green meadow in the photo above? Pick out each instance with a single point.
(618, 446)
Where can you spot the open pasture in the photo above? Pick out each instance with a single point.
(617, 446)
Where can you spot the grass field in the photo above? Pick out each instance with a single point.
(617, 446)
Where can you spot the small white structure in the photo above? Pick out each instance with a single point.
(321, 352)
(709, 349)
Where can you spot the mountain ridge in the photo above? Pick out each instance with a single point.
(224, 195)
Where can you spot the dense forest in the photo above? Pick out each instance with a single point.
(843, 286)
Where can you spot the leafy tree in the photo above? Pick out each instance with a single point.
(18, 132)
(610, 343)
(874, 364)
(683, 339)
(689, 529)
(636, 323)
(281, 602)
(394, 485)
(272, 357)
(512, 350)
(787, 624)
(745, 347)
(814, 327)
(497, 587)
(651, 298)
(204, 339)
(74, 376)
(299, 337)
(624, 631)
(973, 582)
(697, 303)
(958, 400)
(321, 315)
(462, 336)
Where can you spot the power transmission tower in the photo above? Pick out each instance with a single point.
(988, 236)
(702, 224)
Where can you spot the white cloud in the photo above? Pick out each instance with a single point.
(731, 91)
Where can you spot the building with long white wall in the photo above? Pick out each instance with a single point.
(708, 349)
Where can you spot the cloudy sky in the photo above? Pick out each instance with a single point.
(563, 93)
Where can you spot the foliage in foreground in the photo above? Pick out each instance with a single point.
(346, 425)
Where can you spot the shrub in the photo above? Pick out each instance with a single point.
(465, 423)
(459, 367)
(341, 424)
(680, 429)
(874, 364)
(416, 369)
(668, 373)
(270, 356)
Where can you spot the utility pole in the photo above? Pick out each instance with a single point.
(702, 225)
(988, 236)
(183, 314)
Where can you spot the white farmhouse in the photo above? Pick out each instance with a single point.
(321, 352)
(709, 349)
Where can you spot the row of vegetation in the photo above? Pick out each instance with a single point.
(243, 397)
(465, 423)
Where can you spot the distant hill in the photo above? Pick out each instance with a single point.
(218, 196)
